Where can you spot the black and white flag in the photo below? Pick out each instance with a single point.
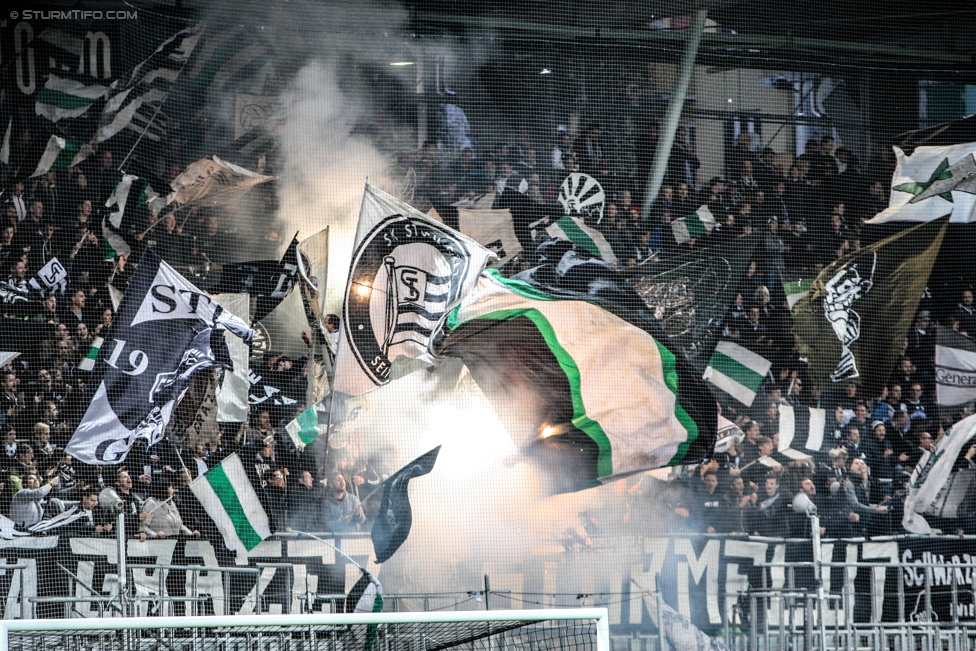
(163, 333)
(51, 279)
(133, 101)
(955, 367)
(939, 483)
(408, 272)
(268, 280)
(802, 428)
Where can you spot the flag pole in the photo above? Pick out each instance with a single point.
(335, 370)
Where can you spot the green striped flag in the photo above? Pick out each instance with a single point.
(88, 363)
(66, 98)
(310, 424)
(60, 154)
(797, 290)
(582, 236)
(737, 371)
(701, 222)
(228, 497)
(623, 383)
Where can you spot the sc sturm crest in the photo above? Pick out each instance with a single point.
(405, 275)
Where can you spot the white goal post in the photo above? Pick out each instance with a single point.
(30, 633)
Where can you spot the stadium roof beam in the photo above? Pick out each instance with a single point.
(732, 50)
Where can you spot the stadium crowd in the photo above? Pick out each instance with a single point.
(811, 210)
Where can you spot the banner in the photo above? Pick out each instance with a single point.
(698, 576)
(955, 367)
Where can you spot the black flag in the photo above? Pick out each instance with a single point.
(393, 522)
(269, 280)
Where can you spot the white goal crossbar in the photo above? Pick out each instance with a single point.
(598, 615)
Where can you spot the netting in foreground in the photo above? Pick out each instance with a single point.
(521, 634)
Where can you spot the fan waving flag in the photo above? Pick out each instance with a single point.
(395, 517)
(852, 324)
(269, 280)
(165, 331)
(931, 183)
(408, 272)
(226, 494)
(936, 487)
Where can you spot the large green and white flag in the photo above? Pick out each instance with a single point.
(66, 98)
(796, 290)
(699, 223)
(582, 236)
(736, 370)
(60, 154)
(931, 183)
(230, 500)
(623, 383)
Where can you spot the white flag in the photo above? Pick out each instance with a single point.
(931, 183)
(932, 479)
(408, 272)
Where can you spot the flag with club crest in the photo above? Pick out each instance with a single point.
(408, 272)
(933, 182)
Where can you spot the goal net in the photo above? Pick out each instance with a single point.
(576, 629)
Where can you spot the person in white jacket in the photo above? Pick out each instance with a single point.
(27, 505)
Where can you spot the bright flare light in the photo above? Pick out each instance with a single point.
(547, 431)
(363, 290)
(403, 63)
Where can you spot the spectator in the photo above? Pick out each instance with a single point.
(306, 503)
(343, 512)
(710, 511)
(27, 505)
(965, 314)
(162, 518)
(772, 515)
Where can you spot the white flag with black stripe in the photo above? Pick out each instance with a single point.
(408, 272)
(801, 428)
